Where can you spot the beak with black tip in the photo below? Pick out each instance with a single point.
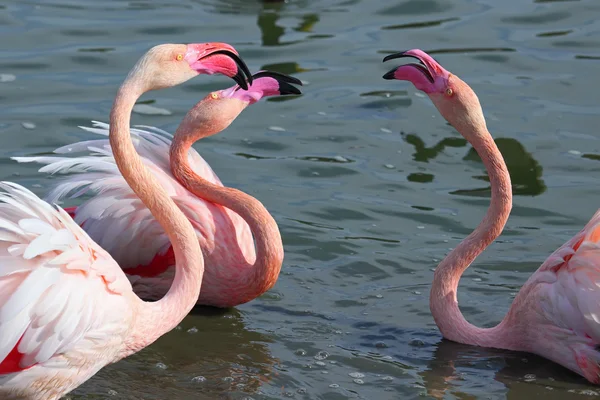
(243, 72)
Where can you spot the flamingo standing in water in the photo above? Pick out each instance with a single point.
(556, 314)
(224, 219)
(66, 308)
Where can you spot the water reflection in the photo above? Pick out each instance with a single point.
(210, 353)
(525, 171)
(456, 368)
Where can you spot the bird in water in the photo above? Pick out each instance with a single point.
(66, 307)
(556, 314)
(225, 219)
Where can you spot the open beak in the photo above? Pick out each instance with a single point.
(218, 58)
(426, 74)
(242, 76)
(284, 81)
(421, 66)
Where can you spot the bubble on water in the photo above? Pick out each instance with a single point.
(417, 292)
(356, 375)
(588, 392)
(7, 78)
(575, 152)
(315, 173)
(334, 385)
(420, 227)
(198, 379)
(28, 125)
(476, 279)
(160, 365)
(332, 362)
(320, 363)
(112, 392)
(300, 352)
(529, 377)
(389, 166)
(322, 355)
(324, 372)
(322, 113)
(301, 391)
(386, 130)
(193, 329)
(147, 109)
(227, 379)
(379, 296)
(387, 378)
(340, 159)
(358, 381)
(277, 128)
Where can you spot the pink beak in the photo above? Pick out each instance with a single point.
(266, 83)
(218, 58)
(427, 75)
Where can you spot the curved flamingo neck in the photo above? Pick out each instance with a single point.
(155, 319)
(443, 300)
(249, 282)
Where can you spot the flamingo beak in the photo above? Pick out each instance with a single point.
(426, 74)
(265, 83)
(218, 58)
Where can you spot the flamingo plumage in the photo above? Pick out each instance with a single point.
(556, 314)
(119, 222)
(66, 307)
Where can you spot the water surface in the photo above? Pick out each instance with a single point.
(369, 186)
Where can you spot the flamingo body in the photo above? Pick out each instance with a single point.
(224, 223)
(119, 222)
(64, 302)
(556, 314)
(66, 308)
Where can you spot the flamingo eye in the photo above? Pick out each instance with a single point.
(449, 92)
(179, 57)
(214, 95)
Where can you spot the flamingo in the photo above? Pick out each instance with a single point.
(66, 308)
(556, 314)
(223, 218)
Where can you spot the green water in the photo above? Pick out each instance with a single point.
(369, 186)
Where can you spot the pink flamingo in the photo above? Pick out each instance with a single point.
(66, 308)
(223, 218)
(556, 314)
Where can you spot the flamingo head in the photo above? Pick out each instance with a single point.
(168, 65)
(453, 98)
(217, 111)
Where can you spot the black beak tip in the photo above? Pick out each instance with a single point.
(285, 88)
(390, 74)
(395, 55)
(240, 79)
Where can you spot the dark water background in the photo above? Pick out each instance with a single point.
(369, 186)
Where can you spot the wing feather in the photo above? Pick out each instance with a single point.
(55, 282)
(115, 217)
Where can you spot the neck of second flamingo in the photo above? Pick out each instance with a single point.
(153, 319)
(443, 297)
(249, 281)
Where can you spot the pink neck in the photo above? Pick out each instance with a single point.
(257, 279)
(155, 319)
(443, 301)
